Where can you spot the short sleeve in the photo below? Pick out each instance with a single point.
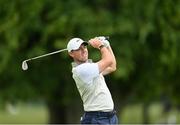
(87, 72)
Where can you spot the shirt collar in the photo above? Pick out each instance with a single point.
(74, 64)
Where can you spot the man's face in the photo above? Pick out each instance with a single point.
(80, 55)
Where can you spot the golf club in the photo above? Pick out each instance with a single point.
(25, 65)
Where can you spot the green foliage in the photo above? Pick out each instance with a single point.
(144, 36)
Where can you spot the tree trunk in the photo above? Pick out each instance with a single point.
(74, 112)
(57, 113)
(146, 113)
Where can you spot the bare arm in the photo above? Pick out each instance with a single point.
(106, 56)
(112, 67)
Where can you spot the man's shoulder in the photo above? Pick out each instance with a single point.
(85, 68)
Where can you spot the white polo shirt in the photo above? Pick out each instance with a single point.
(92, 87)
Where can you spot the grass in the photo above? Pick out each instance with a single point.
(132, 114)
(27, 114)
(38, 114)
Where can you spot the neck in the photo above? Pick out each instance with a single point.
(80, 62)
(76, 63)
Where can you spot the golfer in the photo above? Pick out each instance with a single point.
(88, 76)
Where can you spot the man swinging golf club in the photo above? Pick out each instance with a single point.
(88, 76)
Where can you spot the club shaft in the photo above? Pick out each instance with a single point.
(46, 54)
(37, 57)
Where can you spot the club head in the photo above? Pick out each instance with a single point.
(24, 65)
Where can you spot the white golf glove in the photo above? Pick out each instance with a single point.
(104, 41)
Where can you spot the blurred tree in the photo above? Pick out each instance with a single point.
(144, 36)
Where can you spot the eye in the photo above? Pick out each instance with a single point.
(84, 45)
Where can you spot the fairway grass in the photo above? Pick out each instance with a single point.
(131, 114)
(25, 114)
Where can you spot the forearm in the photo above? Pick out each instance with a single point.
(106, 59)
(113, 65)
(107, 45)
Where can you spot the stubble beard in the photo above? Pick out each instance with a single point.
(83, 60)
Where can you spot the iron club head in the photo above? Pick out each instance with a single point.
(24, 65)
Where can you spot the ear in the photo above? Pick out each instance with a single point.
(71, 54)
